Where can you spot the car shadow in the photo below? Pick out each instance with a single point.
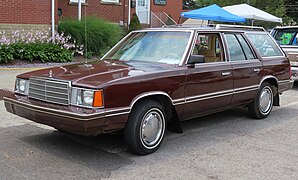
(107, 147)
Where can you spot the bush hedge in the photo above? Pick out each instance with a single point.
(91, 35)
(34, 46)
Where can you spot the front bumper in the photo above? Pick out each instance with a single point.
(76, 120)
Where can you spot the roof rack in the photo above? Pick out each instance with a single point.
(218, 26)
(238, 27)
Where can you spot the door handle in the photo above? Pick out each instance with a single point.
(257, 70)
(225, 73)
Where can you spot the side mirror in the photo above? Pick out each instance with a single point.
(194, 59)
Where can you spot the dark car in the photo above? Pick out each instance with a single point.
(287, 38)
(153, 79)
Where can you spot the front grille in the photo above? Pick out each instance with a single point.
(49, 90)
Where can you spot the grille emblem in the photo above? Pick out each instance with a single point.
(50, 74)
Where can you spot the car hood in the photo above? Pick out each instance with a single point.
(96, 73)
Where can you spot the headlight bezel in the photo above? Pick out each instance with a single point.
(78, 97)
(25, 86)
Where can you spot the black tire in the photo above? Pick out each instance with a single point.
(260, 109)
(139, 131)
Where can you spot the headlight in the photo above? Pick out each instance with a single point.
(22, 86)
(86, 97)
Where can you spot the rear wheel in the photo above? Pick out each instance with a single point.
(262, 105)
(145, 128)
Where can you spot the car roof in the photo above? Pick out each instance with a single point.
(211, 28)
(286, 27)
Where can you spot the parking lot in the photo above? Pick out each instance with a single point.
(227, 145)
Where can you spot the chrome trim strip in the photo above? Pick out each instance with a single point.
(71, 115)
(268, 77)
(284, 81)
(178, 101)
(204, 96)
(211, 97)
(54, 112)
(246, 89)
(149, 94)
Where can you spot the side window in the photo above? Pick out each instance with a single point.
(235, 50)
(284, 37)
(209, 46)
(265, 44)
(247, 50)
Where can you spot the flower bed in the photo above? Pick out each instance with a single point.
(35, 45)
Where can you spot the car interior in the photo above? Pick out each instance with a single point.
(209, 46)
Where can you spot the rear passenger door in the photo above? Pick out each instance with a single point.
(247, 68)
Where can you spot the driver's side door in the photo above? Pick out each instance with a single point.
(209, 85)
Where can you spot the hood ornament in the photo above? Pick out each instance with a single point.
(50, 74)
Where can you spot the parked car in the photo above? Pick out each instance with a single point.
(287, 38)
(153, 79)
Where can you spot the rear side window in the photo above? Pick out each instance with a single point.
(248, 52)
(265, 45)
(235, 50)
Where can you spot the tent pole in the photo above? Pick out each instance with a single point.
(178, 20)
(252, 22)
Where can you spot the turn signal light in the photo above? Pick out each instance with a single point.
(98, 99)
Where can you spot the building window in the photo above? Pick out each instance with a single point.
(76, 1)
(110, 1)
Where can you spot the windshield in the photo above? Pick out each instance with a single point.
(154, 46)
(286, 36)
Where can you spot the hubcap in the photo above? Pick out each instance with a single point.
(152, 128)
(266, 97)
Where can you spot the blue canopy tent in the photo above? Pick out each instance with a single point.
(213, 13)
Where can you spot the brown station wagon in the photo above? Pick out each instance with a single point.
(155, 78)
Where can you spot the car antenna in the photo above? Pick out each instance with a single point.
(86, 51)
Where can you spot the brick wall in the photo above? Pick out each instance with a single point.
(110, 12)
(115, 13)
(26, 11)
(173, 8)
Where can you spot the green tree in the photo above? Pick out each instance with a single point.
(274, 7)
(292, 9)
(135, 23)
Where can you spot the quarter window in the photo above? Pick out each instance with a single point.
(265, 45)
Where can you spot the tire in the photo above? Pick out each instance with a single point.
(145, 128)
(262, 105)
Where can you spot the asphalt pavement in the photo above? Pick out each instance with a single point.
(227, 145)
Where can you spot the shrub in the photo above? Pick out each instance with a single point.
(6, 53)
(34, 46)
(91, 34)
(135, 23)
(45, 52)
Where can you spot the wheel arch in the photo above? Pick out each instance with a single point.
(274, 82)
(166, 101)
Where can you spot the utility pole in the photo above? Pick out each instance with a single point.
(53, 18)
(79, 10)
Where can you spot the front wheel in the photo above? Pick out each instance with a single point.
(145, 128)
(262, 105)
